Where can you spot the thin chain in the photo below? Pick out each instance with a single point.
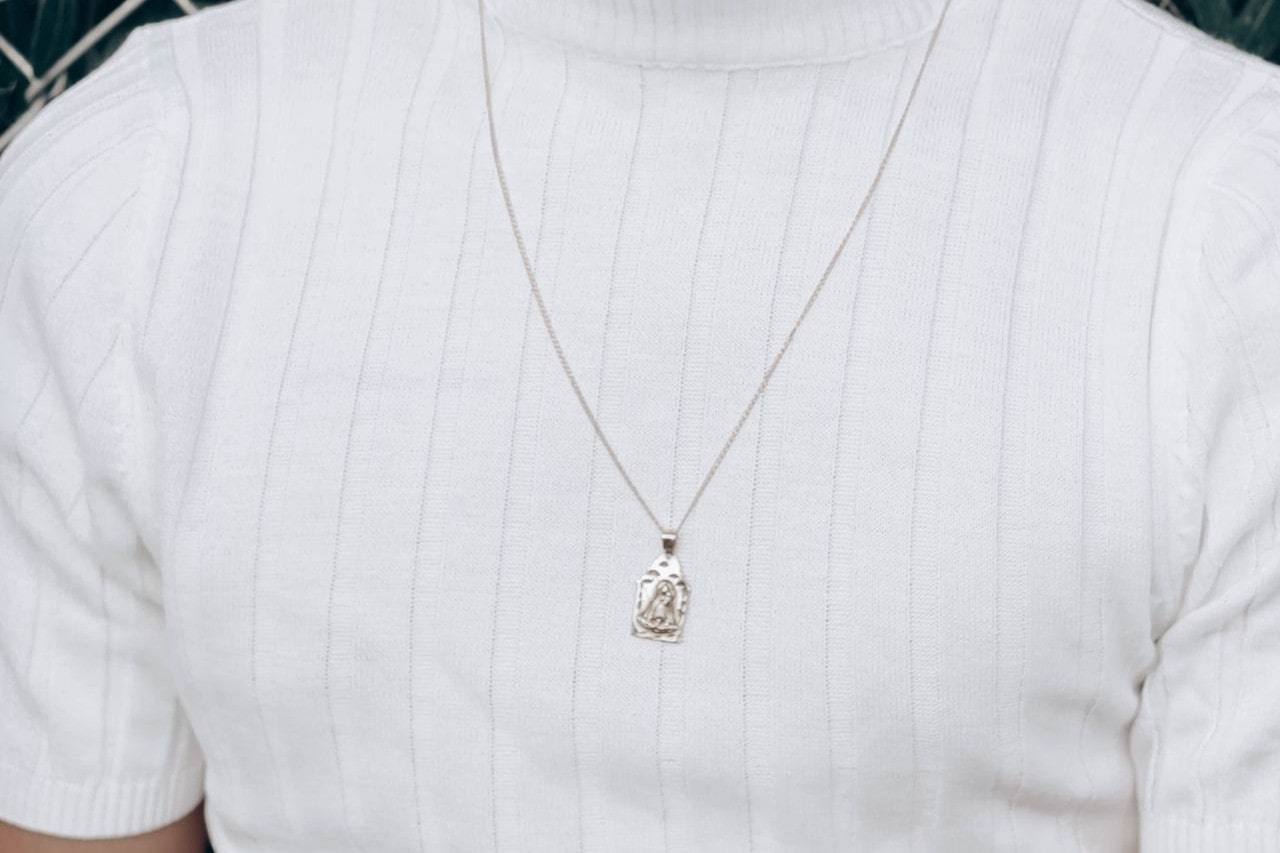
(768, 374)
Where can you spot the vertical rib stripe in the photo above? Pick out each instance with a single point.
(263, 503)
(299, 514)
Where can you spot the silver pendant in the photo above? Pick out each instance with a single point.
(662, 596)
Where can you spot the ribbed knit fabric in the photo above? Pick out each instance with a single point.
(298, 512)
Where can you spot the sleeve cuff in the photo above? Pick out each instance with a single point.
(95, 810)
(1163, 833)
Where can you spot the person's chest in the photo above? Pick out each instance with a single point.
(402, 568)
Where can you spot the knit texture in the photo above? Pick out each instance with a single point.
(299, 514)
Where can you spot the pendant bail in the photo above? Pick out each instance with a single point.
(669, 541)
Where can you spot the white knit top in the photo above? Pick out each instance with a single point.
(299, 514)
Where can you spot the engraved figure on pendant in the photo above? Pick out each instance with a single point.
(659, 615)
(661, 598)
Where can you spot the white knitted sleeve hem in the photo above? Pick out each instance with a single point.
(94, 809)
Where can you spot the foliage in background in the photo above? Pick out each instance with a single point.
(36, 36)
(1253, 25)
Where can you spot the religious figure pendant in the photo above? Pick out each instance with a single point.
(661, 597)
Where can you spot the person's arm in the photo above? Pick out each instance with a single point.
(1206, 739)
(185, 835)
(95, 743)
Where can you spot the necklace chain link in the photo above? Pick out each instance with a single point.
(669, 534)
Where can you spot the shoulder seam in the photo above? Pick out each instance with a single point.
(1213, 186)
(1247, 135)
(168, 114)
(1197, 38)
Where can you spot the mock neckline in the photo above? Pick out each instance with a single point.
(719, 33)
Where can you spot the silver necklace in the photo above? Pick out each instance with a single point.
(662, 594)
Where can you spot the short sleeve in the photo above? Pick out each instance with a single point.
(93, 739)
(1206, 739)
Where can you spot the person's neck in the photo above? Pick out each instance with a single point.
(719, 33)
